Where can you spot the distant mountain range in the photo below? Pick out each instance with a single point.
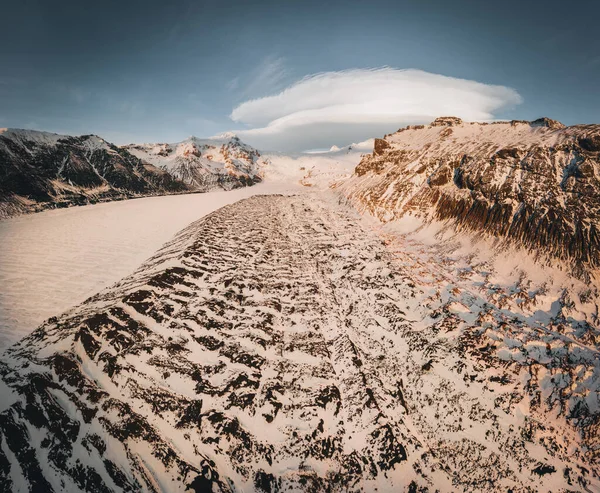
(40, 170)
(203, 164)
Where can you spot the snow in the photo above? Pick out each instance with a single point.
(319, 170)
(58, 258)
(55, 259)
(206, 152)
(464, 325)
(469, 136)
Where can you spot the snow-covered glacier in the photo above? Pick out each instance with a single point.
(350, 334)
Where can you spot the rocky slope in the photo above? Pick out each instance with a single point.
(204, 164)
(284, 343)
(40, 170)
(534, 184)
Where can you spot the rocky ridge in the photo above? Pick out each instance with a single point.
(533, 184)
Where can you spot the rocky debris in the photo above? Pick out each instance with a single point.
(282, 343)
(532, 184)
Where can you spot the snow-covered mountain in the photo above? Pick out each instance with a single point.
(40, 170)
(204, 164)
(535, 184)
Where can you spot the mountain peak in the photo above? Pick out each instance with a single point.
(547, 122)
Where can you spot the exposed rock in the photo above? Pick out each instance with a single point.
(380, 146)
(532, 184)
(446, 121)
(548, 122)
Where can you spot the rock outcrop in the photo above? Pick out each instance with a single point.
(533, 184)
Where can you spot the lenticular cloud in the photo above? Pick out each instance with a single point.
(342, 107)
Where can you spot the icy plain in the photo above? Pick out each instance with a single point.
(55, 259)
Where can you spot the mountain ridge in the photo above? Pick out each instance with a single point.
(535, 184)
(221, 161)
(41, 170)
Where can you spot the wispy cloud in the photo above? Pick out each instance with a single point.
(269, 76)
(233, 84)
(342, 107)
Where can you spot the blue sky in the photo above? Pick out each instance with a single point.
(161, 71)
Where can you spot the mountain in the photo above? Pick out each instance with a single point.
(204, 164)
(40, 170)
(534, 184)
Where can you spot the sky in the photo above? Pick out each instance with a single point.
(292, 75)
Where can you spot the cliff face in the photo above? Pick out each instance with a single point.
(534, 184)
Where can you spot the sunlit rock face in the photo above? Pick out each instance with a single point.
(534, 184)
(205, 164)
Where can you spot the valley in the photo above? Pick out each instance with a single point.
(355, 322)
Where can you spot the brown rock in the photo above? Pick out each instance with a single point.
(380, 147)
(446, 121)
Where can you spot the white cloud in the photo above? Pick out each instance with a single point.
(352, 105)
